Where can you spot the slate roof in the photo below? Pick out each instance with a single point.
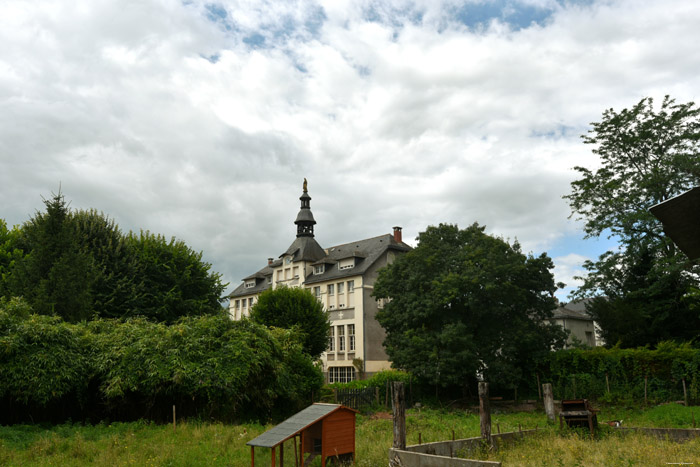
(681, 219)
(304, 249)
(573, 310)
(294, 424)
(260, 281)
(365, 252)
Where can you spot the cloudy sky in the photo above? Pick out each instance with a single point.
(200, 120)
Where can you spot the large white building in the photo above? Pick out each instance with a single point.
(342, 278)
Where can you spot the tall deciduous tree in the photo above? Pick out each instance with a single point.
(647, 156)
(174, 279)
(287, 307)
(463, 302)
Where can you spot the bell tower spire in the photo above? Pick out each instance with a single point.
(305, 219)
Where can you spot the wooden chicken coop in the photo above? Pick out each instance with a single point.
(326, 430)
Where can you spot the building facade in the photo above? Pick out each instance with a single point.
(342, 277)
(574, 318)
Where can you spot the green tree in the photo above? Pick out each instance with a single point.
(56, 276)
(117, 282)
(463, 302)
(9, 255)
(647, 156)
(288, 308)
(174, 279)
(78, 265)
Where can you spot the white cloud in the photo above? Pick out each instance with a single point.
(200, 120)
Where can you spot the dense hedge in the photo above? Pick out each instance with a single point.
(209, 367)
(582, 373)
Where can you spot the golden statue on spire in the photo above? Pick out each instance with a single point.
(304, 184)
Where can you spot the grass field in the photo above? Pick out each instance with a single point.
(194, 443)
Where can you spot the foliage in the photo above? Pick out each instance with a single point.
(78, 265)
(175, 280)
(42, 358)
(118, 278)
(377, 380)
(56, 276)
(582, 373)
(647, 157)
(287, 307)
(209, 366)
(9, 254)
(463, 302)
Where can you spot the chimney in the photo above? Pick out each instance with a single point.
(397, 234)
(269, 261)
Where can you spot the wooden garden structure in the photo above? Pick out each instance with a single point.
(326, 430)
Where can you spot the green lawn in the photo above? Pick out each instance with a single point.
(192, 443)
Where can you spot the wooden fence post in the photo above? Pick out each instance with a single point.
(685, 394)
(548, 401)
(645, 389)
(485, 412)
(174, 417)
(398, 403)
(539, 388)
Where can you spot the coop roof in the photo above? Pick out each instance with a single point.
(295, 424)
(681, 219)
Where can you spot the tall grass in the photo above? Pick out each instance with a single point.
(611, 449)
(216, 444)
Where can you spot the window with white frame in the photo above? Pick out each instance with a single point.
(237, 304)
(250, 284)
(341, 374)
(341, 287)
(331, 289)
(250, 302)
(341, 338)
(295, 271)
(319, 269)
(351, 337)
(317, 291)
(331, 339)
(351, 286)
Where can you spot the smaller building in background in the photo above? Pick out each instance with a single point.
(574, 318)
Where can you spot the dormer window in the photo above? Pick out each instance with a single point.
(250, 284)
(347, 263)
(319, 269)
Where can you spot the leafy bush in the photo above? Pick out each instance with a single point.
(583, 373)
(208, 366)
